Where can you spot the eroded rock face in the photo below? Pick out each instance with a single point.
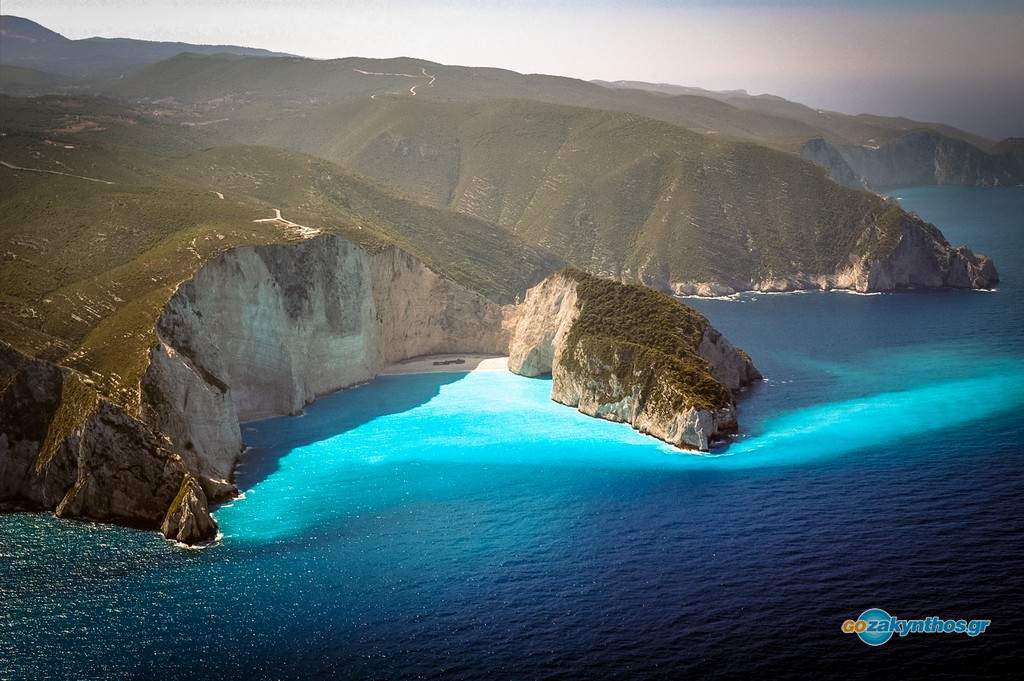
(64, 448)
(188, 518)
(925, 259)
(917, 158)
(730, 366)
(541, 324)
(616, 389)
(922, 258)
(272, 327)
(615, 379)
(258, 331)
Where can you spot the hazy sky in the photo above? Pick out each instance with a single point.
(939, 60)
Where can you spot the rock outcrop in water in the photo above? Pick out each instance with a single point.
(628, 353)
(924, 259)
(65, 448)
(259, 331)
(917, 158)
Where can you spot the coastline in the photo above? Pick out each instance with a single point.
(425, 364)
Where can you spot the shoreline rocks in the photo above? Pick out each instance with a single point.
(628, 353)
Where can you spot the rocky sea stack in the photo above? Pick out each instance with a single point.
(628, 353)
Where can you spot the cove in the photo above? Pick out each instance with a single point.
(463, 525)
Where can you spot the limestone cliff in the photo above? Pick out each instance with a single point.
(917, 158)
(627, 353)
(255, 332)
(64, 448)
(263, 330)
(920, 258)
(924, 259)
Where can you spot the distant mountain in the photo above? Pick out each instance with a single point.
(874, 151)
(25, 43)
(917, 158)
(223, 83)
(855, 129)
(236, 88)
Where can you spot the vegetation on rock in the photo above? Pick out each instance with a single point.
(647, 339)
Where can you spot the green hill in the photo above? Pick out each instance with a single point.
(16, 80)
(834, 126)
(617, 194)
(227, 85)
(222, 85)
(106, 212)
(217, 82)
(215, 88)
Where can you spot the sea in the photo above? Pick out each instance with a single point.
(463, 526)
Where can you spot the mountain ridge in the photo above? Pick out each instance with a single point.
(31, 45)
(199, 84)
(145, 69)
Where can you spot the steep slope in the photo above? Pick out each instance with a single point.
(618, 195)
(218, 87)
(63, 448)
(627, 353)
(917, 158)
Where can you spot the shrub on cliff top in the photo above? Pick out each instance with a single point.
(631, 320)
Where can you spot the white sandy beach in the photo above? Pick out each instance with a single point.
(425, 365)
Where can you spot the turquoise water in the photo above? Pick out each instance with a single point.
(464, 526)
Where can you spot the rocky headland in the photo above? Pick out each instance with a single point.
(917, 158)
(921, 257)
(628, 353)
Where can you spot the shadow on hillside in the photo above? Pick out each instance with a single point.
(272, 439)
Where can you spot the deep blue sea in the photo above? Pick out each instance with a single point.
(466, 527)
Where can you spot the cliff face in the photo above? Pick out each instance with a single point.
(820, 152)
(63, 447)
(256, 332)
(918, 158)
(264, 330)
(920, 258)
(540, 326)
(282, 324)
(671, 375)
(923, 258)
